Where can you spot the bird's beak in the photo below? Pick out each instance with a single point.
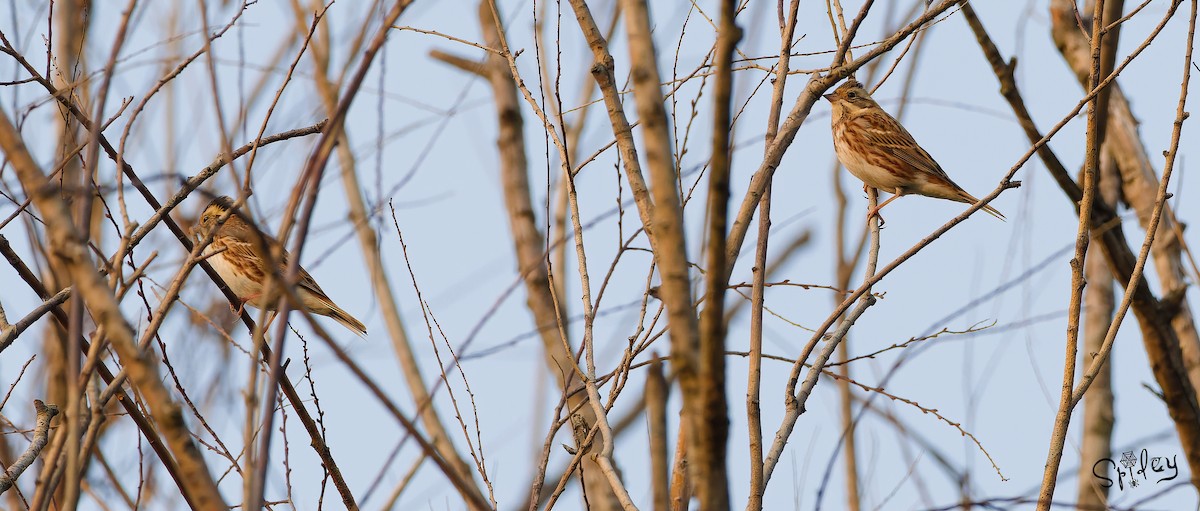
(828, 97)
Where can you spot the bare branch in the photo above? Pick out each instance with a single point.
(9, 333)
(40, 437)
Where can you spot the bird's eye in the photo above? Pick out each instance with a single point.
(851, 94)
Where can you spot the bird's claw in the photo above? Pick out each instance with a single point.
(874, 213)
(242, 306)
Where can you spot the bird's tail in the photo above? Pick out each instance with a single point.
(347, 320)
(970, 199)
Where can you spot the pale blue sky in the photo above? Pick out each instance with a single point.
(439, 131)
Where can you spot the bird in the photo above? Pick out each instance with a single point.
(876, 148)
(239, 251)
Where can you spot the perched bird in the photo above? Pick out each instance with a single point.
(878, 150)
(239, 252)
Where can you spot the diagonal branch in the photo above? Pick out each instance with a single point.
(602, 72)
(10, 333)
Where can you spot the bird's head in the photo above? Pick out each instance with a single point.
(850, 96)
(213, 213)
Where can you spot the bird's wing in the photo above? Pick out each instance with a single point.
(306, 281)
(309, 283)
(243, 251)
(886, 133)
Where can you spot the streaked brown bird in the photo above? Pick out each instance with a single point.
(878, 150)
(239, 253)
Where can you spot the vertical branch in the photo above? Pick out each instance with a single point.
(74, 407)
(670, 251)
(1099, 304)
(787, 30)
(74, 412)
(656, 394)
(846, 412)
(759, 273)
(1106, 60)
(681, 477)
(1082, 237)
(714, 494)
(753, 386)
(528, 243)
(62, 352)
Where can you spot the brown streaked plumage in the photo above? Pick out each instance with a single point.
(876, 148)
(238, 254)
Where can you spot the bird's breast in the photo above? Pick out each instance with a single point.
(866, 163)
(239, 277)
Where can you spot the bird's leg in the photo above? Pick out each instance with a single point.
(874, 212)
(242, 307)
(270, 319)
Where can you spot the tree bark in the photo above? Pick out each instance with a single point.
(1099, 304)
